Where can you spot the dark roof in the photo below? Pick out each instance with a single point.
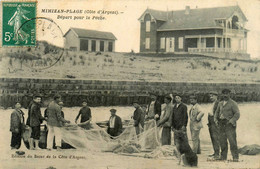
(87, 33)
(196, 19)
(158, 15)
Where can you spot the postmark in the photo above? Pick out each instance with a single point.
(14, 15)
(48, 48)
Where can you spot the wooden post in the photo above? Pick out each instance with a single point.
(226, 37)
(89, 45)
(200, 43)
(222, 43)
(215, 43)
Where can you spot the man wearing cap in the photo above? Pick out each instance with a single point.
(138, 117)
(114, 124)
(213, 129)
(17, 126)
(54, 121)
(85, 113)
(226, 115)
(166, 121)
(35, 121)
(179, 121)
(154, 108)
(195, 115)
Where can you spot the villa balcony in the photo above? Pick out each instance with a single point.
(234, 32)
(215, 50)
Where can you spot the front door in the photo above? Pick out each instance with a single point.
(170, 44)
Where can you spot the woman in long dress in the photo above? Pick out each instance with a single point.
(16, 21)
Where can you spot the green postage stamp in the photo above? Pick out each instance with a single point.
(18, 23)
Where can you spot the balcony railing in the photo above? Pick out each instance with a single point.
(213, 50)
(239, 32)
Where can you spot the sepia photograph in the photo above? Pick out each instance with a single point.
(137, 84)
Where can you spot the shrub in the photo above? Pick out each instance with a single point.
(229, 63)
(11, 62)
(110, 60)
(225, 68)
(74, 63)
(206, 64)
(193, 66)
(98, 53)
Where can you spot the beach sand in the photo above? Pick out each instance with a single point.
(247, 133)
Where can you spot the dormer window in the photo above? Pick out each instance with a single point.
(220, 22)
(148, 26)
(235, 22)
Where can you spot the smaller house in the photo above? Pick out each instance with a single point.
(89, 40)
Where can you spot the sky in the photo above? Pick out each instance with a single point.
(126, 27)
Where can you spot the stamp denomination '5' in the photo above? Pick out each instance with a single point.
(14, 15)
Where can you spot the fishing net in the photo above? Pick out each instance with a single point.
(97, 139)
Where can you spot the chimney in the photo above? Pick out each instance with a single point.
(187, 10)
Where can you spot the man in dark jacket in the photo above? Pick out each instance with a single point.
(179, 121)
(114, 124)
(138, 117)
(226, 116)
(54, 121)
(35, 121)
(154, 108)
(213, 129)
(85, 113)
(17, 126)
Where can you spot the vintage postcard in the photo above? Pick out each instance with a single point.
(137, 84)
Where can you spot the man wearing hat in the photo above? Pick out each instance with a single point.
(226, 115)
(213, 129)
(154, 108)
(114, 124)
(179, 121)
(54, 122)
(166, 121)
(195, 115)
(138, 117)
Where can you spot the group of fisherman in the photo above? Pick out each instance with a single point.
(171, 116)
